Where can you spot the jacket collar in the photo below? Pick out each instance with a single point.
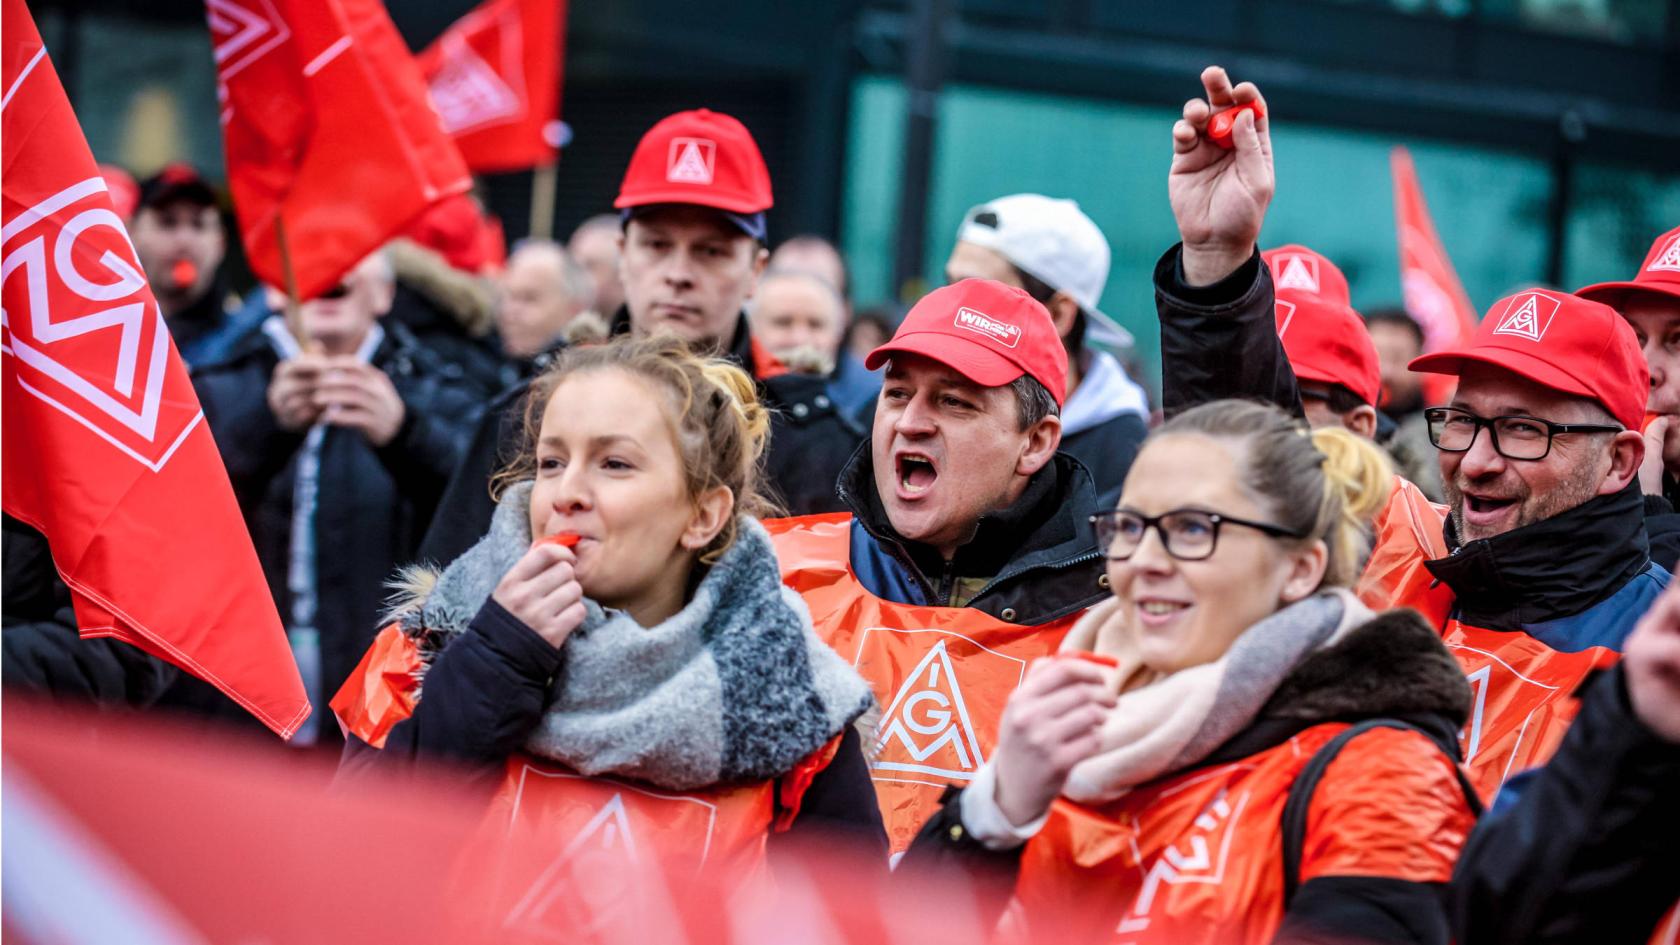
(1045, 527)
(739, 350)
(1553, 568)
(1393, 666)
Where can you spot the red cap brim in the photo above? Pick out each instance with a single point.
(1612, 293)
(971, 359)
(734, 203)
(1525, 365)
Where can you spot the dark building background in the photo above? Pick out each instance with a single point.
(1546, 132)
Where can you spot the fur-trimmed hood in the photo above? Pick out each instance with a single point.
(735, 687)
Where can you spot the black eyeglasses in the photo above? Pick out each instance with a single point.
(1514, 436)
(1187, 534)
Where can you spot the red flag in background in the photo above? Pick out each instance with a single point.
(326, 126)
(494, 77)
(1434, 296)
(106, 450)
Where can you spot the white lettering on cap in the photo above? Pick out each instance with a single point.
(1528, 316)
(1669, 259)
(691, 161)
(982, 324)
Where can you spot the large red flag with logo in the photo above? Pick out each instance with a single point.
(106, 450)
(494, 77)
(326, 127)
(1434, 296)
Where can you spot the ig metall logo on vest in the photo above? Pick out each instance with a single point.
(942, 692)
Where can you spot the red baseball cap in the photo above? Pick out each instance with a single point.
(986, 331)
(1659, 273)
(697, 157)
(1324, 338)
(1301, 272)
(1562, 341)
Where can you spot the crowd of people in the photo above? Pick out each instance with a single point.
(1292, 654)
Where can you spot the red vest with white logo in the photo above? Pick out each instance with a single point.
(1197, 857)
(940, 674)
(602, 829)
(1523, 690)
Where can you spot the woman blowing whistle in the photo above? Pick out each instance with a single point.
(645, 659)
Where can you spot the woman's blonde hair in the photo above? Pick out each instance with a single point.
(716, 419)
(1325, 484)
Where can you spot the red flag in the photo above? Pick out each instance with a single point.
(326, 126)
(495, 79)
(106, 450)
(1434, 296)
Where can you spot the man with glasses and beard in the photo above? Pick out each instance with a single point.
(1535, 574)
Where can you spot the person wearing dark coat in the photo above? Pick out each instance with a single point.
(337, 459)
(44, 651)
(619, 638)
(692, 255)
(1585, 852)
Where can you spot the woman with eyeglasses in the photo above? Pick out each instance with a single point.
(1232, 748)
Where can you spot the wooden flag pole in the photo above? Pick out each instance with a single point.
(294, 310)
(542, 200)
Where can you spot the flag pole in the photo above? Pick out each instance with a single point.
(294, 313)
(542, 200)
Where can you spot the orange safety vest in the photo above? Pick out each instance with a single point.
(601, 827)
(1197, 857)
(1523, 690)
(941, 674)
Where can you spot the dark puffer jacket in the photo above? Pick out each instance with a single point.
(374, 503)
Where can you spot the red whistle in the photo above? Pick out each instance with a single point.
(184, 273)
(563, 539)
(1097, 658)
(1220, 126)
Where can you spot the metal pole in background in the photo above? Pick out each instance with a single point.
(924, 62)
(1572, 130)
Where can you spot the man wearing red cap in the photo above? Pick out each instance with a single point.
(1335, 360)
(1535, 576)
(967, 552)
(1650, 301)
(692, 206)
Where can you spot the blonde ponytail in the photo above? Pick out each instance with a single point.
(1357, 481)
(1326, 484)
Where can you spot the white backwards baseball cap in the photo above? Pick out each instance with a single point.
(1053, 241)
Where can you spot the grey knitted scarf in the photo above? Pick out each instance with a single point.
(736, 687)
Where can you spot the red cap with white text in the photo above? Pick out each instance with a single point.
(986, 331)
(1659, 273)
(1325, 339)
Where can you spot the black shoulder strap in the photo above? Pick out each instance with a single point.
(1301, 792)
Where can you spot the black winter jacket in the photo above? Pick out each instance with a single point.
(1106, 451)
(810, 440)
(374, 503)
(1031, 563)
(44, 652)
(487, 690)
(1585, 851)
